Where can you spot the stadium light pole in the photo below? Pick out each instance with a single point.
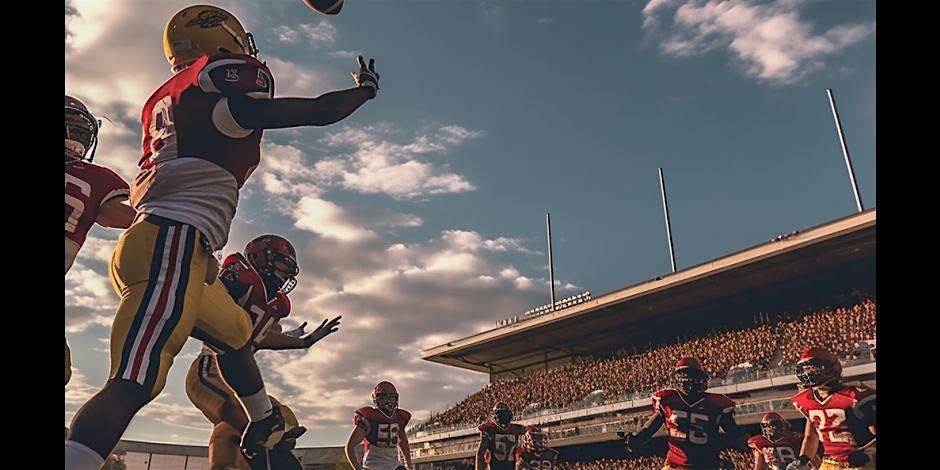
(551, 269)
(662, 190)
(845, 150)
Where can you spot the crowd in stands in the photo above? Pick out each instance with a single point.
(742, 460)
(767, 345)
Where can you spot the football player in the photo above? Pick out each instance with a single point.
(259, 280)
(381, 429)
(776, 446)
(692, 416)
(533, 454)
(839, 416)
(93, 193)
(201, 141)
(499, 440)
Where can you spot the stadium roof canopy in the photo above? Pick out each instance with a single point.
(789, 272)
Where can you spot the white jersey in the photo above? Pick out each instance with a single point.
(193, 191)
(381, 458)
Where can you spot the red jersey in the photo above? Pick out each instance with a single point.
(183, 119)
(841, 420)
(693, 427)
(87, 187)
(777, 454)
(501, 444)
(196, 156)
(245, 286)
(542, 460)
(381, 441)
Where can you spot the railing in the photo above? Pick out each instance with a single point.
(472, 442)
(747, 376)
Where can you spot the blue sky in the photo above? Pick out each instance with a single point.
(421, 217)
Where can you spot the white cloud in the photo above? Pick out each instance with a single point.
(345, 54)
(545, 20)
(371, 162)
(770, 40)
(90, 299)
(327, 219)
(321, 33)
(286, 35)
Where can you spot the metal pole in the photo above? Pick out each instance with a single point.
(845, 150)
(662, 189)
(551, 269)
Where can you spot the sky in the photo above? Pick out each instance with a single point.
(421, 217)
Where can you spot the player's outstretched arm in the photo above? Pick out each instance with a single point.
(276, 340)
(737, 434)
(324, 110)
(405, 448)
(479, 463)
(646, 432)
(357, 435)
(759, 463)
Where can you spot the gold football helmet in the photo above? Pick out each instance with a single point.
(204, 30)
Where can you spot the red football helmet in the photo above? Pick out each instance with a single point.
(689, 376)
(81, 131)
(817, 367)
(502, 415)
(385, 397)
(533, 440)
(773, 426)
(274, 258)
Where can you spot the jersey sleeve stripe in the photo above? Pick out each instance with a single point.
(225, 122)
(122, 192)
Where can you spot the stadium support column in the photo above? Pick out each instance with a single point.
(662, 189)
(551, 269)
(845, 150)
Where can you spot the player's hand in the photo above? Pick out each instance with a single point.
(367, 76)
(289, 439)
(629, 441)
(297, 332)
(263, 434)
(325, 329)
(858, 457)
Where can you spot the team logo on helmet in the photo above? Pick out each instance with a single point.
(208, 19)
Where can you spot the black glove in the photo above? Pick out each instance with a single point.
(858, 457)
(324, 330)
(367, 76)
(725, 464)
(262, 435)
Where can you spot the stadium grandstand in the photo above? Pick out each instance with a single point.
(586, 371)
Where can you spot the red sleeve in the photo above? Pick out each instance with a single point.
(723, 403)
(116, 185)
(403, 417)
(361, 419)
(798, 402)
(235, 74)
(657, 399)
(754, 442)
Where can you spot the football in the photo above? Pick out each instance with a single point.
(327, 7)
